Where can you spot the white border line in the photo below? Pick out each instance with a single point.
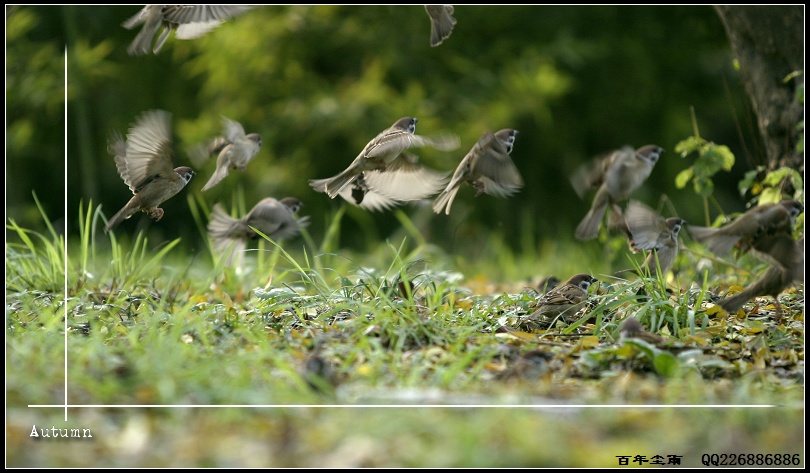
(65, 219)
(66, 406)
(420, 406)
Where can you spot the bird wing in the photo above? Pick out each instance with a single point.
(274, 219)
(565, 294)
(499, 175)
(645, 225)
(148, 150)
(185, 14)
(405, 180)
(234, 131)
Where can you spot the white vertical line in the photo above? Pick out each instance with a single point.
(65, 239)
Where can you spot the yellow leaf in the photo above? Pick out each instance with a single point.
(625, 351)
(754, 326)
(364, 370)
(518, 335)
(700, 339)
(715, 310)
(588, 342)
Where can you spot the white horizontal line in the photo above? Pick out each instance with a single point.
(410, 406)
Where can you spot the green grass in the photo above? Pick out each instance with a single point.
(402, 324)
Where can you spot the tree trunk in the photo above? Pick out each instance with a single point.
(768, 42)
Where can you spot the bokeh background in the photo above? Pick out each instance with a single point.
(318, 82)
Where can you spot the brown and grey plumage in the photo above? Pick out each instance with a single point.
(188, 21)
(235, 150)
(632, 328)
(488, 167)
(274, 218)
(378, 190)
(654, 233)
(386, 154)
(144, 162)
(564, 300)
(765, 231)
(772, 282)
(616, 177)
(441, 23)
(547, 283)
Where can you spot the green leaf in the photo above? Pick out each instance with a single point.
(703, 186)
(666, 364)
(688, 146)
(725, 155)
(683, 178)
(773, 178)
(747, 182)
(770, 195)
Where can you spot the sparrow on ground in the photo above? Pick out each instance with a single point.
(650, 231)
(547, 283)
(189, 22)
(564, 300)
(488, 167)
(144, 162)
(616, 176)
(274, 218)
(766, 231)
(632, 328)
(385, 154)
(441, 23)
(236, 149)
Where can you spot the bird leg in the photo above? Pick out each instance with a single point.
(156, 213)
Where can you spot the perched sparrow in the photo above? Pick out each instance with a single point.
(274, 218)
(487, 167)
(236, 150)
(530, 365)
(145, 164)
(650, 231)
(772, 282)
(385, 154)
(766, 231)
(564, 300)
(632, 328)
(441, 23)
(189, 21)
(617, 176)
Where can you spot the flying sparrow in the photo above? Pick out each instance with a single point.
(385, 154)
(145, 164)
(650, 231)
(441, 23)
(410, 182)
(189, 21)
(617, 176)
(772, 282)
(766, 231)
(564, 300)
(274, 218)
(236, 150)
(488, 167)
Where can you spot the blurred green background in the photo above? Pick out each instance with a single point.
(318, 82)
